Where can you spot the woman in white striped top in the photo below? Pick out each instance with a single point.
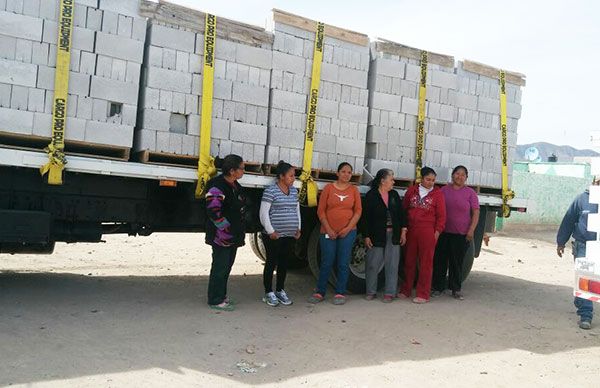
(280, 217)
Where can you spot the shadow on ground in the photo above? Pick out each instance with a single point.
(59, 326)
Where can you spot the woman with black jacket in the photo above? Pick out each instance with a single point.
(386, 226)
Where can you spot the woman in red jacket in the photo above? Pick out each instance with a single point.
(426, 219)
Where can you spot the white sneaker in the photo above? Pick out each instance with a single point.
(270, 299)
(283, 298)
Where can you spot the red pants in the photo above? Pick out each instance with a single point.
(420, 242)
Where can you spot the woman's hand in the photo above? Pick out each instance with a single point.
(403, 238)
(274, 236)
(368, 243)
(331, 233)
(470, 235)
(344, 232)
(437, 235)
(298, 234)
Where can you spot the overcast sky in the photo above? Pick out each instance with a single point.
(556, 44)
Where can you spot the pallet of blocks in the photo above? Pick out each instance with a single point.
(170, 108)
(105, 61)
(462, 115)
(341, 122)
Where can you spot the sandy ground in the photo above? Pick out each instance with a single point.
(132, 312)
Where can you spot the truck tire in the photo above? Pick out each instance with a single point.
(356, 278)
(258, 247)
(468, 261)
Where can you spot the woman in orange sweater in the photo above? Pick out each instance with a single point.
(339, 211)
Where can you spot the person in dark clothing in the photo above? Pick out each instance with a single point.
(225, 230)
(386, 226)
(574, 224)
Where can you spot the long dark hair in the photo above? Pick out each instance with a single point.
(282, 168)
(381, 175)
(231, 162)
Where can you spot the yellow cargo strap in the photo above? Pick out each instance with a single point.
(421, 117)
(206, 163)
(309, 189)
(56, 155)
(507, 193)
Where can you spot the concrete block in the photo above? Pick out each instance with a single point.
(249, 94)
(386, 102)
(94, 19)
(139, 28)
(114, 90)
(388, 67)
(23, 50)
(488, 105)
(119, 47)
(409, 89)
(412, 73)
(155, 56)
(377, 134)
(36, 100)
(328, 108)
(254, 56)
(83, 39)
(19, 97)
(248, 133)
(409, 106)
(357, 78)
(447, 112)
(132, 74)
(79, 84)
(169, 80)
(156, 120)
(17, 73)
(182, 62)
(125, 26)
(84, 108)
(513, 110)
(87, 63)
(354, 113)
(466, 101)
(107, 133)
(165, 101)
(284, 137)
(329, 72)
(119, 68)
(350, 147)
(123, 7)
(178, 103)
(21, 26)
(443, 79)
(99, 110)
(16, 121)
(288, 101)
(30, 8)
(486, 135)
(287, 62)
(49, 10)
(163, 36)
(8, 47)
(42, 124)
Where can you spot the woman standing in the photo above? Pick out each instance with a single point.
(280, 217)
(339, 211)
(225, 230)
(427, 218)
(462, 210)
(386, 225)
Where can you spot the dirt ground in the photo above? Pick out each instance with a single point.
(132, 312)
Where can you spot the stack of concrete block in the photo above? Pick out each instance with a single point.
(394, 79)
(343, 96)
(106, 56)
(462, 115)
(476, 135)
(172, 86)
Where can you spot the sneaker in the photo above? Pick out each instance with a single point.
(370, 297)
(401, 296)
(418, 300)
(270, 299)
(224, 306)
(436, 294)
(283, 298)
(387, 298)
(339, 300)
(315, 298)
(585, 324)
(458, 295)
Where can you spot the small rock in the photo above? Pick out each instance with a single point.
(250, 349)
(483, 373)
(415, 342)
(94, 311)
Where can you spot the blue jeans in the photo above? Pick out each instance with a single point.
(585, 308)
(339, 249)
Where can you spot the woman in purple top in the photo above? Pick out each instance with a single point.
(462, 215)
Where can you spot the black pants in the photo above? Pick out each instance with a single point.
(222, 261)
(449, 256)
(278, 253)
